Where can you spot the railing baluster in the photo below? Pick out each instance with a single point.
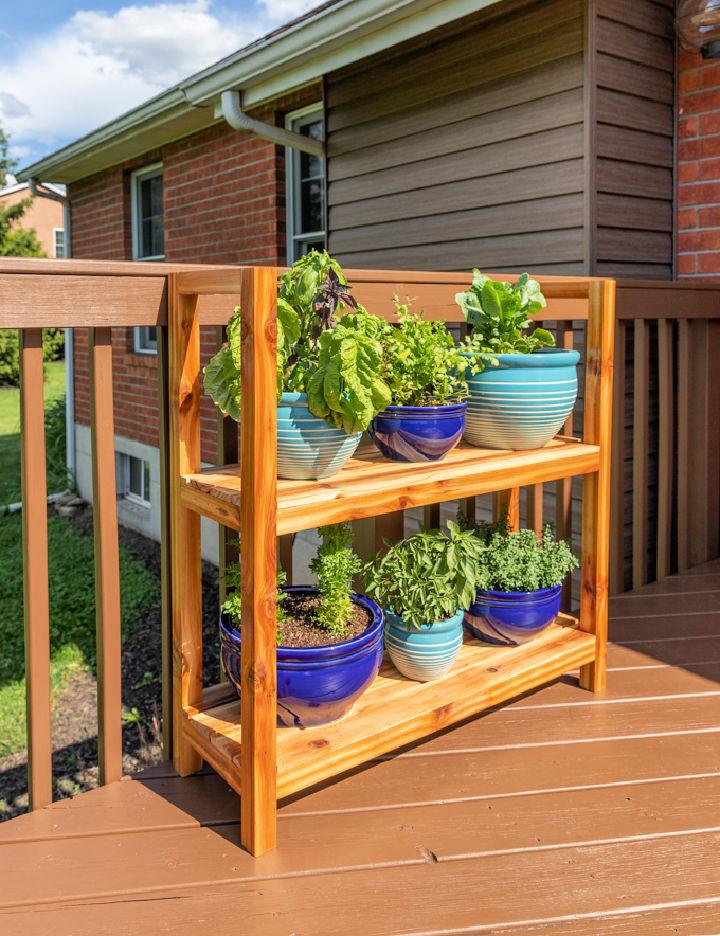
(107, 559)
(641, 396)
(683, 444)
(617, 501)
(165, 557)
(35, 568)
(665, 448)
(563, 489)
(534, 494)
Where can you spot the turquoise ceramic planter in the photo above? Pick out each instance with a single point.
(423, 653)
(307, 447)
(524, 401)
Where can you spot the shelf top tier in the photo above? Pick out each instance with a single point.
(370, 485)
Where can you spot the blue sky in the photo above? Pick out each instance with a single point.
(67, 67)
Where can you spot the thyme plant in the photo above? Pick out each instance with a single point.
(231, 605)
(335, 566)
(427, 577)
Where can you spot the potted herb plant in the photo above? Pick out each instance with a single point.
(425, 583)
(329, 363)
(329, 640)
(425, 372)
(519, 583)
(522, 389)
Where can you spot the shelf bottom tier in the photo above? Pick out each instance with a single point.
(393, 712)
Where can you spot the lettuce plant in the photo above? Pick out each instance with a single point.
(423, 366)
(327, 346)
(335, 565)
(499, 316)
(427, 577)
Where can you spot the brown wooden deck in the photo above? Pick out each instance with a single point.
(557, 814)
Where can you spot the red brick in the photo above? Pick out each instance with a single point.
(686, 264)
(687, 172)
(687, 218)
(689, 81)
(708, 262)
(688, 127)
(701, 193)
(709, 217)
(709, 123)
(701, 148)
(694, 241)
(702, 102)
(709, 169)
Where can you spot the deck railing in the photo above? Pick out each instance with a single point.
(666, 459)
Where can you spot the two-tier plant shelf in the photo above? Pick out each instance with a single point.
(240, 738)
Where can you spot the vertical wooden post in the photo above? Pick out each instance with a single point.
(563, 488)
(186, 569)
(596, 486)
(36, 609)
(107, 558)
(641, 403)
(535, 493)
(165, 540)
(258, 506)
(507, 503)
(227, 454)
(617, 512)
(665, 448)
(684, 443)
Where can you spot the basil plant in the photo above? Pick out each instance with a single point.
(328, 346)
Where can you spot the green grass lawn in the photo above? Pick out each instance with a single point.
(72, 613)
(10, 436)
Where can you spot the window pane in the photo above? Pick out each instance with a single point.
(135, 476)
(310, 166)
(146, 481)
(150, 209)
(311, 207)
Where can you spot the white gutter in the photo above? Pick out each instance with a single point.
(70, 461)
(231, 110)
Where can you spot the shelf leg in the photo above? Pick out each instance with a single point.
(507, 503)
(594, 563)
(186, 568)
(258, 550)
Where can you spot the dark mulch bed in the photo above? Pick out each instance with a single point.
(75, 715)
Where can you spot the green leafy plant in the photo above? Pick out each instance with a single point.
(499, 315)
(422, 366)
(53, 347)
(231, 604)
(519, 561)
(327, 346)
(335, 565)
(427, 577)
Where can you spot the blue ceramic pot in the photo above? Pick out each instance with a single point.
(307, 447)
(423, 653)
(315, 685)
(523, 401)
(418, 433)
(511, 618)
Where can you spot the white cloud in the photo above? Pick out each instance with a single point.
(284, 10)
(64, 83)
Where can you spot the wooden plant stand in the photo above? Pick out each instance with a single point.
(240, 739)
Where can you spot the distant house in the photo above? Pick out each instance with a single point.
(44, 215)
(508, 135)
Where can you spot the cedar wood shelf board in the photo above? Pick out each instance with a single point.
(393, 712)
(370, 485)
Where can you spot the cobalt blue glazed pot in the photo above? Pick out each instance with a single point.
(418, 433)
(522, 402)
(511, 618)
(423, 653)
(308, 448)
(315, 685)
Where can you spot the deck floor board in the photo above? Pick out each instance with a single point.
(560, 813)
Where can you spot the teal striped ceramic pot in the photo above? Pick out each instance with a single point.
(307, 447)
(523, 401)
(423, 653)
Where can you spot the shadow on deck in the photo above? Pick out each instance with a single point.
(560, 813)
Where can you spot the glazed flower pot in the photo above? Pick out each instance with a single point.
(418, 433)
(522, 402)
(423, 653)
(315, 685)
(307, 447)
(511, 618)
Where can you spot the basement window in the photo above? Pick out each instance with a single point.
(134, 479)
(145, 339)
(148, 232)
(305, 186)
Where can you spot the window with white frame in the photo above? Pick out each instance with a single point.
(305, 186)
(145, 339)
(134, 479)
(146, 203)
(58, 242)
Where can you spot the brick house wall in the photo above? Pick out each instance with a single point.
(698, 166)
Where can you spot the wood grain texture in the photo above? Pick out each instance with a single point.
(666, 460)
(184, 433)
(107, 557)
(163, 362)
(596, 487)
(258, 501)
(370, 485)
(36, 608)
(640, 440)
(617, 500)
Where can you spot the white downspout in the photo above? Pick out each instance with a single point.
(231, 109)
(70, 461)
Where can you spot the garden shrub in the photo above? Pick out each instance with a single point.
(53, 348)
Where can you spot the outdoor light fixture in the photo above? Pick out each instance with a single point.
(698, 26)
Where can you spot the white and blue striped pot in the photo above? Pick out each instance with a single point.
(522, 402)
(423, 653)
(308, 448)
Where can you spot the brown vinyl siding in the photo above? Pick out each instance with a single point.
(461, 151)
(632, 75)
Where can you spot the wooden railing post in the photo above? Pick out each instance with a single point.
(165, 541)
(186, 569)
(36, 609)
(258, 505)
(596, 486)
(107, 557)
